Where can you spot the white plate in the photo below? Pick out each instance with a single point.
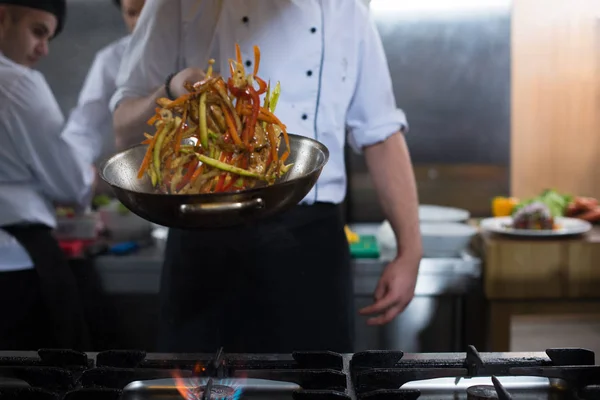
(567, 226)
(431, 213)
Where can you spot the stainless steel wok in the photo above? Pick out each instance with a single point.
(218, 210)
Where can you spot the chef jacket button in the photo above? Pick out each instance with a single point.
(309, 73)
(248, 63)
(245, 20)
(304, 116)
(313, 30)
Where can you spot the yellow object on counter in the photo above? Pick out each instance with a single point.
(350, 235)
(503, 206)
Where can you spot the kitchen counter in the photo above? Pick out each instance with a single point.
(436, 319)
(140, 272)
(542, 277)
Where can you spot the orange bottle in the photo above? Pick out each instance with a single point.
(503, 206)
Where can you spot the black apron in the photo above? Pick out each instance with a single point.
(53, 303)
(277, 286)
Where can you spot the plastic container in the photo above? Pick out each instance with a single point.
(440, 239)
(80, 227)
(122, 225)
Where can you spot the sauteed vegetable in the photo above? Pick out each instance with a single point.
(218, 137)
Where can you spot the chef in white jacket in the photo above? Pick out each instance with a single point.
(92, 113)
(40, 166)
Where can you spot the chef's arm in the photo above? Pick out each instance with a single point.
(130, 116)
(58, 163)
(391, 171)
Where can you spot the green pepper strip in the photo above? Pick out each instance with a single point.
(203, 124)
(157, 148)
(228, 168)
(274, 97)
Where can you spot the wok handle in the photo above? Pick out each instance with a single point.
(208, 208)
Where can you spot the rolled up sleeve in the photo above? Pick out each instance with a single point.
(152, 53)
(373, 115)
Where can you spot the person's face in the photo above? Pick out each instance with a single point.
(131, 10)
(25, 33)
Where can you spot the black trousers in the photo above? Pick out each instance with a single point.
(41, 307)
(277, 286)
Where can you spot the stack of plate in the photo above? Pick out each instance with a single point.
(444, 231)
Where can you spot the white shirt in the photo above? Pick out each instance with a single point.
(327, 54)
(39, 164)
(92, 116)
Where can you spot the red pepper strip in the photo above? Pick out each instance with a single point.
(229, 185)
(237, 92)
(272, 142)
(179, 133)
(256, 60)
(191, 169)
(251, 123)
(219, 187)
(262, 85)
(220, 183)
(269, 160)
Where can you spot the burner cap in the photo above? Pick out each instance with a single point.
(218, 392)
(482, 392)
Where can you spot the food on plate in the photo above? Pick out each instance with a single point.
(585, 208)
(218, 137)
(534, 216)
(503, 206)
(65, 212)
(556, 202)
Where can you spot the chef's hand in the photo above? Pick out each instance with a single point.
(191, 75)
(394, 291)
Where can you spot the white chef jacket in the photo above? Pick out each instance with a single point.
(327, 54)
(39, 164)
(92, 115)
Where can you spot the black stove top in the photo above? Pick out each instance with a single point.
(372, 375)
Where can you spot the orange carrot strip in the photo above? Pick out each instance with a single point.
(179, 101)
(231, 126)
(179, 133)
(256, 60)
(197, 173)
(238, 53)
(146, 161)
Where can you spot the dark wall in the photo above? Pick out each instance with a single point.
(91, 25)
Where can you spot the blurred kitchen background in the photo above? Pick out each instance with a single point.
(501, 98)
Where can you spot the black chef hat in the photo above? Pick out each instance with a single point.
(56, 7)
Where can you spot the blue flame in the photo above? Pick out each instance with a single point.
(237, 394)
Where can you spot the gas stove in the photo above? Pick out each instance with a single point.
(562, 373)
